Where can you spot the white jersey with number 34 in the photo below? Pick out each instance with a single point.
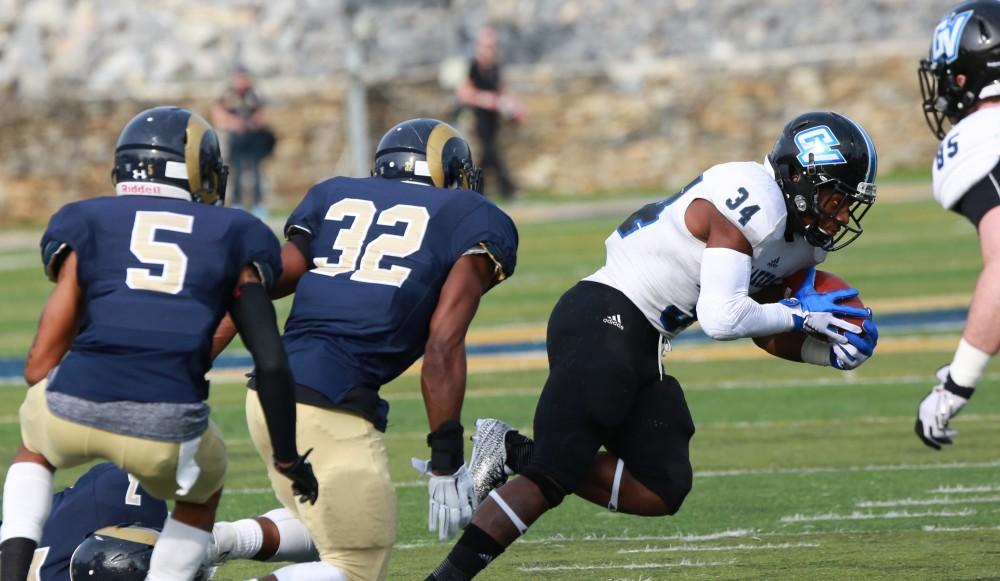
(654, 260)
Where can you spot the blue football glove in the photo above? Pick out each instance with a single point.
(857, 350)
(817, 312)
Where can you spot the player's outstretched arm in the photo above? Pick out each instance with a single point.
(254, 317)
(58, 325)
(442, 376)
(442, 382)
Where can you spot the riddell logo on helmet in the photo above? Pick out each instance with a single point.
(137, 188)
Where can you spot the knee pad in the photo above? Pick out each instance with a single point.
(553, 493)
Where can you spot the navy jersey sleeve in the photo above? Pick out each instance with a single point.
(307, 217)
(67, 230)
(259, 247)
(488, 227)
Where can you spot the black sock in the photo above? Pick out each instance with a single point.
(473, 552)
(17, 554)
(957, 389)
(519, 450)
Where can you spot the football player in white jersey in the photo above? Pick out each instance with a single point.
(960, 82)
(706, 253)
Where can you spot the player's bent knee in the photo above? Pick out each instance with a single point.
(673, 496)
(553, 493)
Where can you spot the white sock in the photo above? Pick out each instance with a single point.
(295, 544)
(241, 539)
(178, 553)
(317, 571)
(27, 498)
(969, 364)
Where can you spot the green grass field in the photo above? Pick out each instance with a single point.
(801, 472)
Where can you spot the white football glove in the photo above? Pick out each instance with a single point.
(935, 411)
(452, 499)
(857, 350)
(821, 323)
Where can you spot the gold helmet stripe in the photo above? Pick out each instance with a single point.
(135, 534)
(196, 129)
(436, 141)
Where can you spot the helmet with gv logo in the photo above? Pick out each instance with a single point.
(817, 156)
(966, 44)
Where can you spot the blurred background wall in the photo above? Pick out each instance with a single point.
(621, 95)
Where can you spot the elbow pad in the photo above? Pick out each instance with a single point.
(725, 309)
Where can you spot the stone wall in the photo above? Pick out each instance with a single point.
(625, 129)
(629, 95)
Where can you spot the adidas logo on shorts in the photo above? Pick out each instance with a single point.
(615, 320)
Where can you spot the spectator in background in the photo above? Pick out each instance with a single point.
(240, 113)
(484, 92)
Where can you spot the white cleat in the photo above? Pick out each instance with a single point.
(488, 465)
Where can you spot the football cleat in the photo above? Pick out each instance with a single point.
(488, 466)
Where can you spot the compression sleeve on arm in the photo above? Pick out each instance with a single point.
(254, 316)
(725, 309)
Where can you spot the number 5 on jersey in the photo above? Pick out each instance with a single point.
(364, 267)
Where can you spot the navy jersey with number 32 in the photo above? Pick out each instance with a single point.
(380, 251)
(158, 275)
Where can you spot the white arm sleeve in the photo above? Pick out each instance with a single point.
(725, 309)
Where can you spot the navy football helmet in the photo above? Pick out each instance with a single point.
(175, 147)
(117, 553)
(816, 155)
(427, 151)
(966, 42)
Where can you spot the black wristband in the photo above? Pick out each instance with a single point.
(957, 389)
(447, 447)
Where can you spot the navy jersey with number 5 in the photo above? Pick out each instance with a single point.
(379, 252)
(104, 496)
(158, 275)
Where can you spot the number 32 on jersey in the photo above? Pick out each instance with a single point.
(364, 267)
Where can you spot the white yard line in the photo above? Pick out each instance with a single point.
(755, 534)
(939, 529)
(845, 469)
(959, 489)
(740, 547)
(689, 538)
(927, 501)
(856, 515)
(629, 566)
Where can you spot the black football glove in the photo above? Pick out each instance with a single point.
(304, 483)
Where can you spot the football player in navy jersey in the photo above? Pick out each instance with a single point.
(117, 367)
(385, 270)
(104, 526)
(709, 253)
(960, 84)
(104, 496)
